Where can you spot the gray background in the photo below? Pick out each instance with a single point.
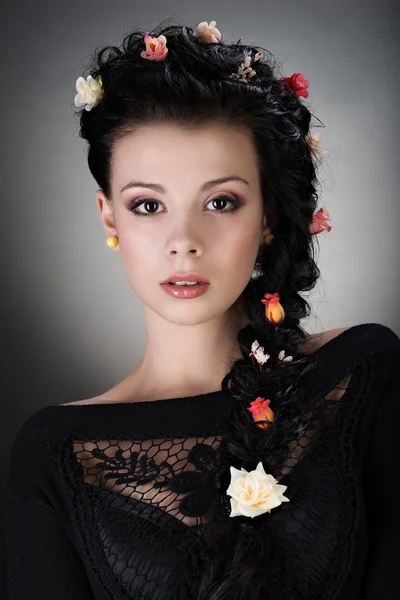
(72, 327)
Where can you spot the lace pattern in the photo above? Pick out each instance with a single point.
(147, 508)
(140, 489)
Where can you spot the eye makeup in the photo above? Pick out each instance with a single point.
(134, 204)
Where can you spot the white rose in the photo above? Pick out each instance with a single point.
(89, 92)
(254, 493)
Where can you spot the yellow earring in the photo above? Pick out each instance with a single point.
(112, 241)
(268, 239)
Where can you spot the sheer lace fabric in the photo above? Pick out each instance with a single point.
(161, 491)
(139, 488)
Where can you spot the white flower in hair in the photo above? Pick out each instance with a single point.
(281, 357)
(208, 33)
(89, 92)
(254, 493)
(244, 72)
(258, 353)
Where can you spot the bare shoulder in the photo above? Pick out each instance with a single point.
(94, 400)
(316, 340)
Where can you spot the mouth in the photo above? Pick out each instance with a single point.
(185, 291)
(191, 284)
(184, 278)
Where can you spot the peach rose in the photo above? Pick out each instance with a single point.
(254, 493)
(319, 222)
(155, 47)
(208, 33)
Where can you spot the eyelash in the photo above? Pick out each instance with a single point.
(236, 203)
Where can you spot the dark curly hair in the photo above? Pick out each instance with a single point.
(193, 87)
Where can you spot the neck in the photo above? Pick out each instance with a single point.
(184, 360)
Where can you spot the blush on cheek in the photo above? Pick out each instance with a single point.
(246, 251)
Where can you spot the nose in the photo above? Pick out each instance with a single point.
(185, 246)
(192, 251)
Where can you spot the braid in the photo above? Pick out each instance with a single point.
(193, 87)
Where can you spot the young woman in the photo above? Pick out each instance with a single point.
(242, 458)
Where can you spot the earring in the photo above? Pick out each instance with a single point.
(269, 239)
(112, 241)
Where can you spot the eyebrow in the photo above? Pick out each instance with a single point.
(206, 186)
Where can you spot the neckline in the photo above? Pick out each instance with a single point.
(204, 415)
(215, 395)
(205, 397)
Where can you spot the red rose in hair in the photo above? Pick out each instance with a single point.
(297, 83)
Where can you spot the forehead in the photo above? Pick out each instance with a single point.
(165, 149)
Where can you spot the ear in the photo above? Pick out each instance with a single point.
(270, 221)
(105, 209)
(266, 229)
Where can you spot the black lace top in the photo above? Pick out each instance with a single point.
(109, 501)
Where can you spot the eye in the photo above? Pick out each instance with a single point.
(235, 203)
(136, 203)
(133, 206)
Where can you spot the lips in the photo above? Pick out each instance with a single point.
(191, 277)
(188, 284)
(185, 291)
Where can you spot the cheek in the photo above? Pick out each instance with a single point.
(237, 261)
(242, 249)
(139, 258)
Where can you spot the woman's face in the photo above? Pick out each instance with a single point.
(184, 225)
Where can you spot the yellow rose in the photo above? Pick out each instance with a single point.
(254, 493)
(274, 311)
